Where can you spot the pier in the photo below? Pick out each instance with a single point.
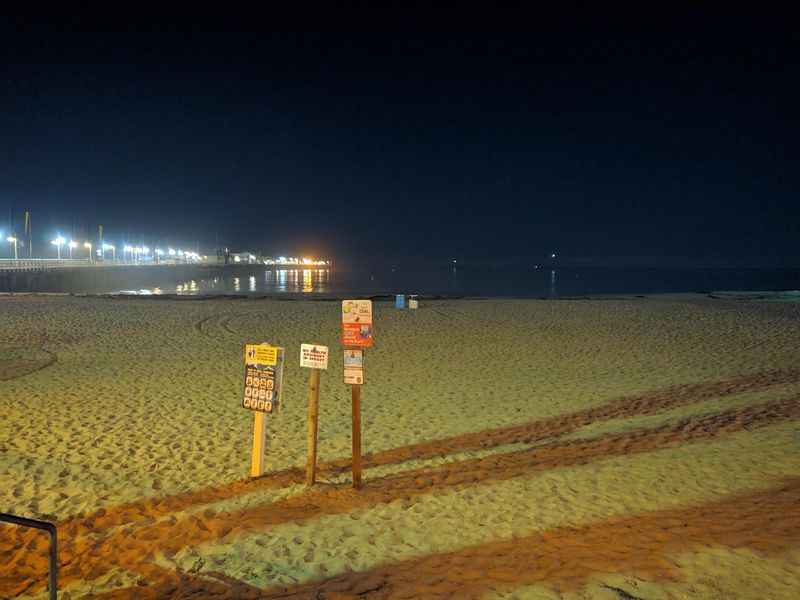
(79, 276)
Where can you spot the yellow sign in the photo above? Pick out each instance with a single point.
(260, 354)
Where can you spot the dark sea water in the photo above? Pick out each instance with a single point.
(462, 281)
(521, 282)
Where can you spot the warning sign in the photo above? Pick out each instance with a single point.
(357, 323)
(313, 356)
(354, 366)
(260, 354)
(263, 377)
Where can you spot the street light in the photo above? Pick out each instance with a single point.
(13, 240)
(113, 251)
(58, 242)
(88, 246)
(125, 250)
(72, 244)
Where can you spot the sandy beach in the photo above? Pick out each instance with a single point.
(608, 448)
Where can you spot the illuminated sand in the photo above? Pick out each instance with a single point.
(518, 449)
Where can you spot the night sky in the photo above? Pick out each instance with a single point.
(655, 146)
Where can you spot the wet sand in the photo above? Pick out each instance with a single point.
(643, 447)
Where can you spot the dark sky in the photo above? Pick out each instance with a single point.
(597, 144)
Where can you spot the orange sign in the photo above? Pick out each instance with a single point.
(357, 323)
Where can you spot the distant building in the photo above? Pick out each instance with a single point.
(238, 258)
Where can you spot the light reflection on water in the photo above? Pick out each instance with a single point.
(527, 281)
(306, 281)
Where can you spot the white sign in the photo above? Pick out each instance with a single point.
(354, 366)
(313, 356)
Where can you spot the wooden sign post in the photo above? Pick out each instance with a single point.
(356, 394)
(314, 357)
(357, 334)
(313, 420)
(263, 393)
(258, 455)
(354, 376)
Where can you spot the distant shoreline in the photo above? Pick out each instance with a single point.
(744, 295)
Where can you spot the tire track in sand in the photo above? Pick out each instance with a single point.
(16, 367)
(89, 555)
(222, 324)
(649, 403)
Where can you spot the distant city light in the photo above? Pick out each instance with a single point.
(12, 240)
(58, 242)
(142, 254)
(108, 247)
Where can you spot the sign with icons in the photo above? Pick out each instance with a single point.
(263, 377)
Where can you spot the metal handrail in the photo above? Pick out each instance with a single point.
(51, 529)
(41, 263)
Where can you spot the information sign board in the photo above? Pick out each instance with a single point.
(260, 354)
(357, 323)
(354, 366)
(313, 356)
(263, 377)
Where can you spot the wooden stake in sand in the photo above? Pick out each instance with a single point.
(357, 334)
(258, 457)
(313, 420)
(356, 393)
(263, 393)
(314, 357)
(354, 376)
